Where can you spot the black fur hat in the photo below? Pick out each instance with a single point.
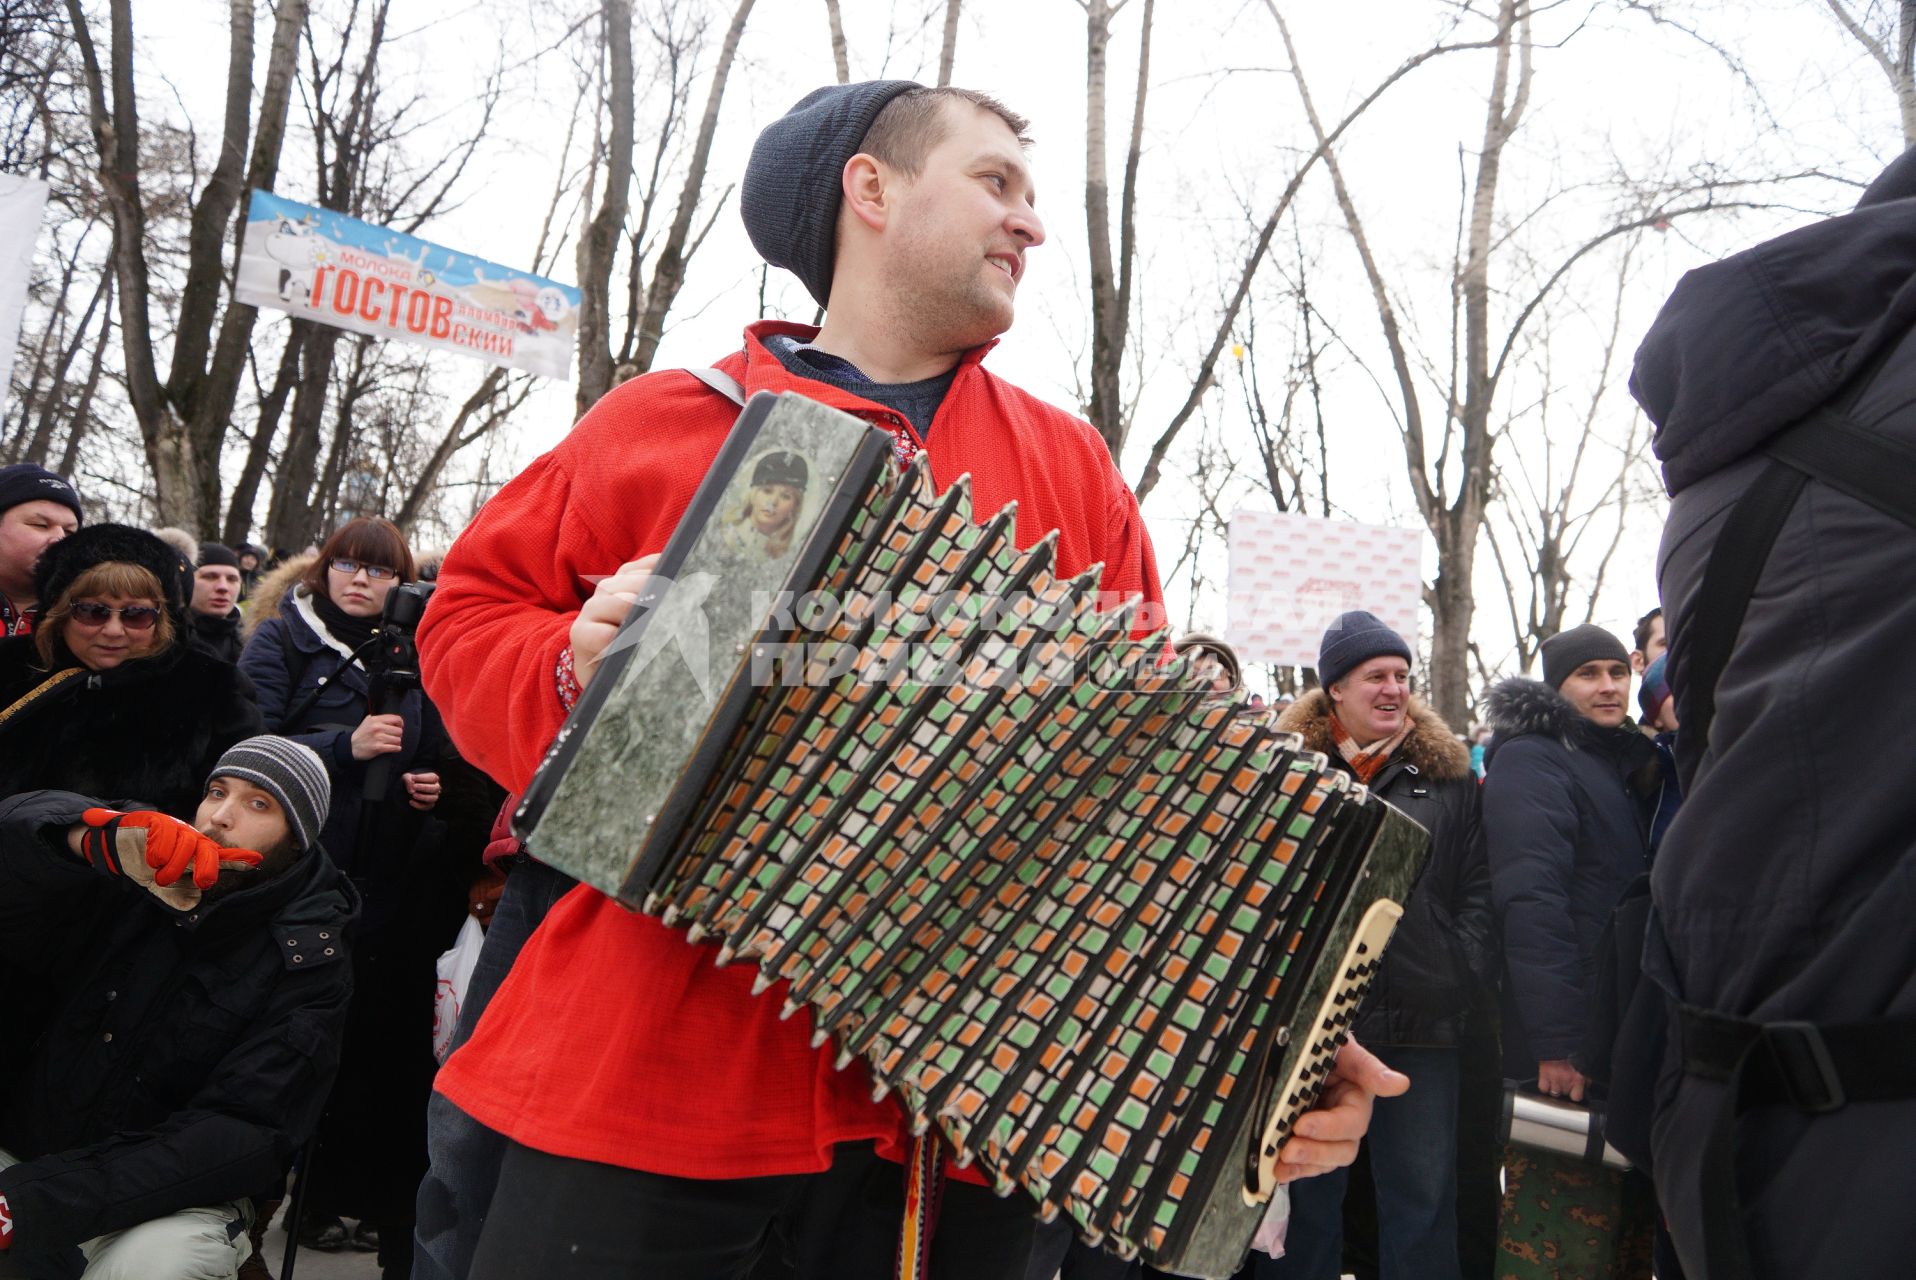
(95, 544)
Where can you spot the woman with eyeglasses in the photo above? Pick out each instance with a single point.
(313, 662)
(105, 698)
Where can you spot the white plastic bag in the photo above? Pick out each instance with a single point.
(455, 975)
(1277, 1221)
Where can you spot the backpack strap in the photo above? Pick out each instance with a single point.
(1816, 1069)
(723, 383)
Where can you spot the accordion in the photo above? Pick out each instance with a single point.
(1098, 927)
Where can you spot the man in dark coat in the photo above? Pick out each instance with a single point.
(1564, 825)
(1366, 722)
(170, 1041)
(212, 613)
(1785, 887)
(1564, 798)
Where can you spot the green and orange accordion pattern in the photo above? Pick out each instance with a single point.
(1059, 900)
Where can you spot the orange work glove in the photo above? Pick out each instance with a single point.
(171, 846)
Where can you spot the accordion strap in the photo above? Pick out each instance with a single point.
(723, 383)
(1816, 1069)
(924, 1192)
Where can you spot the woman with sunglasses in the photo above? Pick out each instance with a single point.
(105, 698)
(313, 663)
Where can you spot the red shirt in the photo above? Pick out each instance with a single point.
(612, 1039)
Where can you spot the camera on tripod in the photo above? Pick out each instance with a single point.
(392, 668)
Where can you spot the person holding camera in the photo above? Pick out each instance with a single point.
(334, 671)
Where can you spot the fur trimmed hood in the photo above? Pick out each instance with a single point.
(1431, 746)
(270, 590)
(1518, 706)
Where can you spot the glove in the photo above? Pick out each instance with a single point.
(6, 1223)
(171, 846)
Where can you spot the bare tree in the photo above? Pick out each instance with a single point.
(601, 238)
(1886, 29)
(841, 55)
(668, 268)
(1448, 454)
(947, 47)
(1561, 505)
(182, 419)
(1111, 268)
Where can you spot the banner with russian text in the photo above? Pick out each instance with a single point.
(340, 271)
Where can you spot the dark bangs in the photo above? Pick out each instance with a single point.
(369, 540)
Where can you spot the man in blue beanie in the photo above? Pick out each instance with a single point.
(37, 509)
(1366, 721)
(673, 1128)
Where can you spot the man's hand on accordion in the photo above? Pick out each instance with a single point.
(1327, 1135)
(599, 618)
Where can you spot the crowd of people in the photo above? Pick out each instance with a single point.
(245, 805)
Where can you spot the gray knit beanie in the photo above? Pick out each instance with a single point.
(791, 191)
(1564, 652)
(1353, 639)
(291, 772)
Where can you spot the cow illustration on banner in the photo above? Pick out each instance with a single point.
(1290, 575)
(325, 266)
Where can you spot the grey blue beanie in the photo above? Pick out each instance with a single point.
(1352, 639)
(291, 772)
(1564, 652)
(791, 191)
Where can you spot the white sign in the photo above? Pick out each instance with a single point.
(21, 202)
(1290, 576)
(353, 275)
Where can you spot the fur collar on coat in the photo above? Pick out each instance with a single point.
(1431, 746)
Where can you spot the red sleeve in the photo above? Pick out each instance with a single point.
(1130, 565)
(507, 594)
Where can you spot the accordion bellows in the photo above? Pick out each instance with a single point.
(1092, 923)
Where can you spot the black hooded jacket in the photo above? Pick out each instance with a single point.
(1445, 947)
(1786, 885)
(155, 1060)
(1565, 825)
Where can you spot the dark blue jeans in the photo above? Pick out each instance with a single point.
(1413, 1156)
(465, 1155)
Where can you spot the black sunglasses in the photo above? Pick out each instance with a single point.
(134, 617)
(377, 572)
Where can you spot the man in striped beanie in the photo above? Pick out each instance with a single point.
(178, 993)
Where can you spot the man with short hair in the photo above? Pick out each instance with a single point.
(1649, 637)
(1563, 796)
(37, 509)
(175, 996)
(213, 616)
(672, 1126)
(1366, 721)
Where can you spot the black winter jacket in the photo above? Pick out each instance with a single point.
(1444, 949)
(146, 731)
(1565, 825)
(1786, 885)
(285, 659)
(217, 636)
(166, 1060)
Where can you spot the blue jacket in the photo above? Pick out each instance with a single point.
(287, 658)
(1564, 825)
